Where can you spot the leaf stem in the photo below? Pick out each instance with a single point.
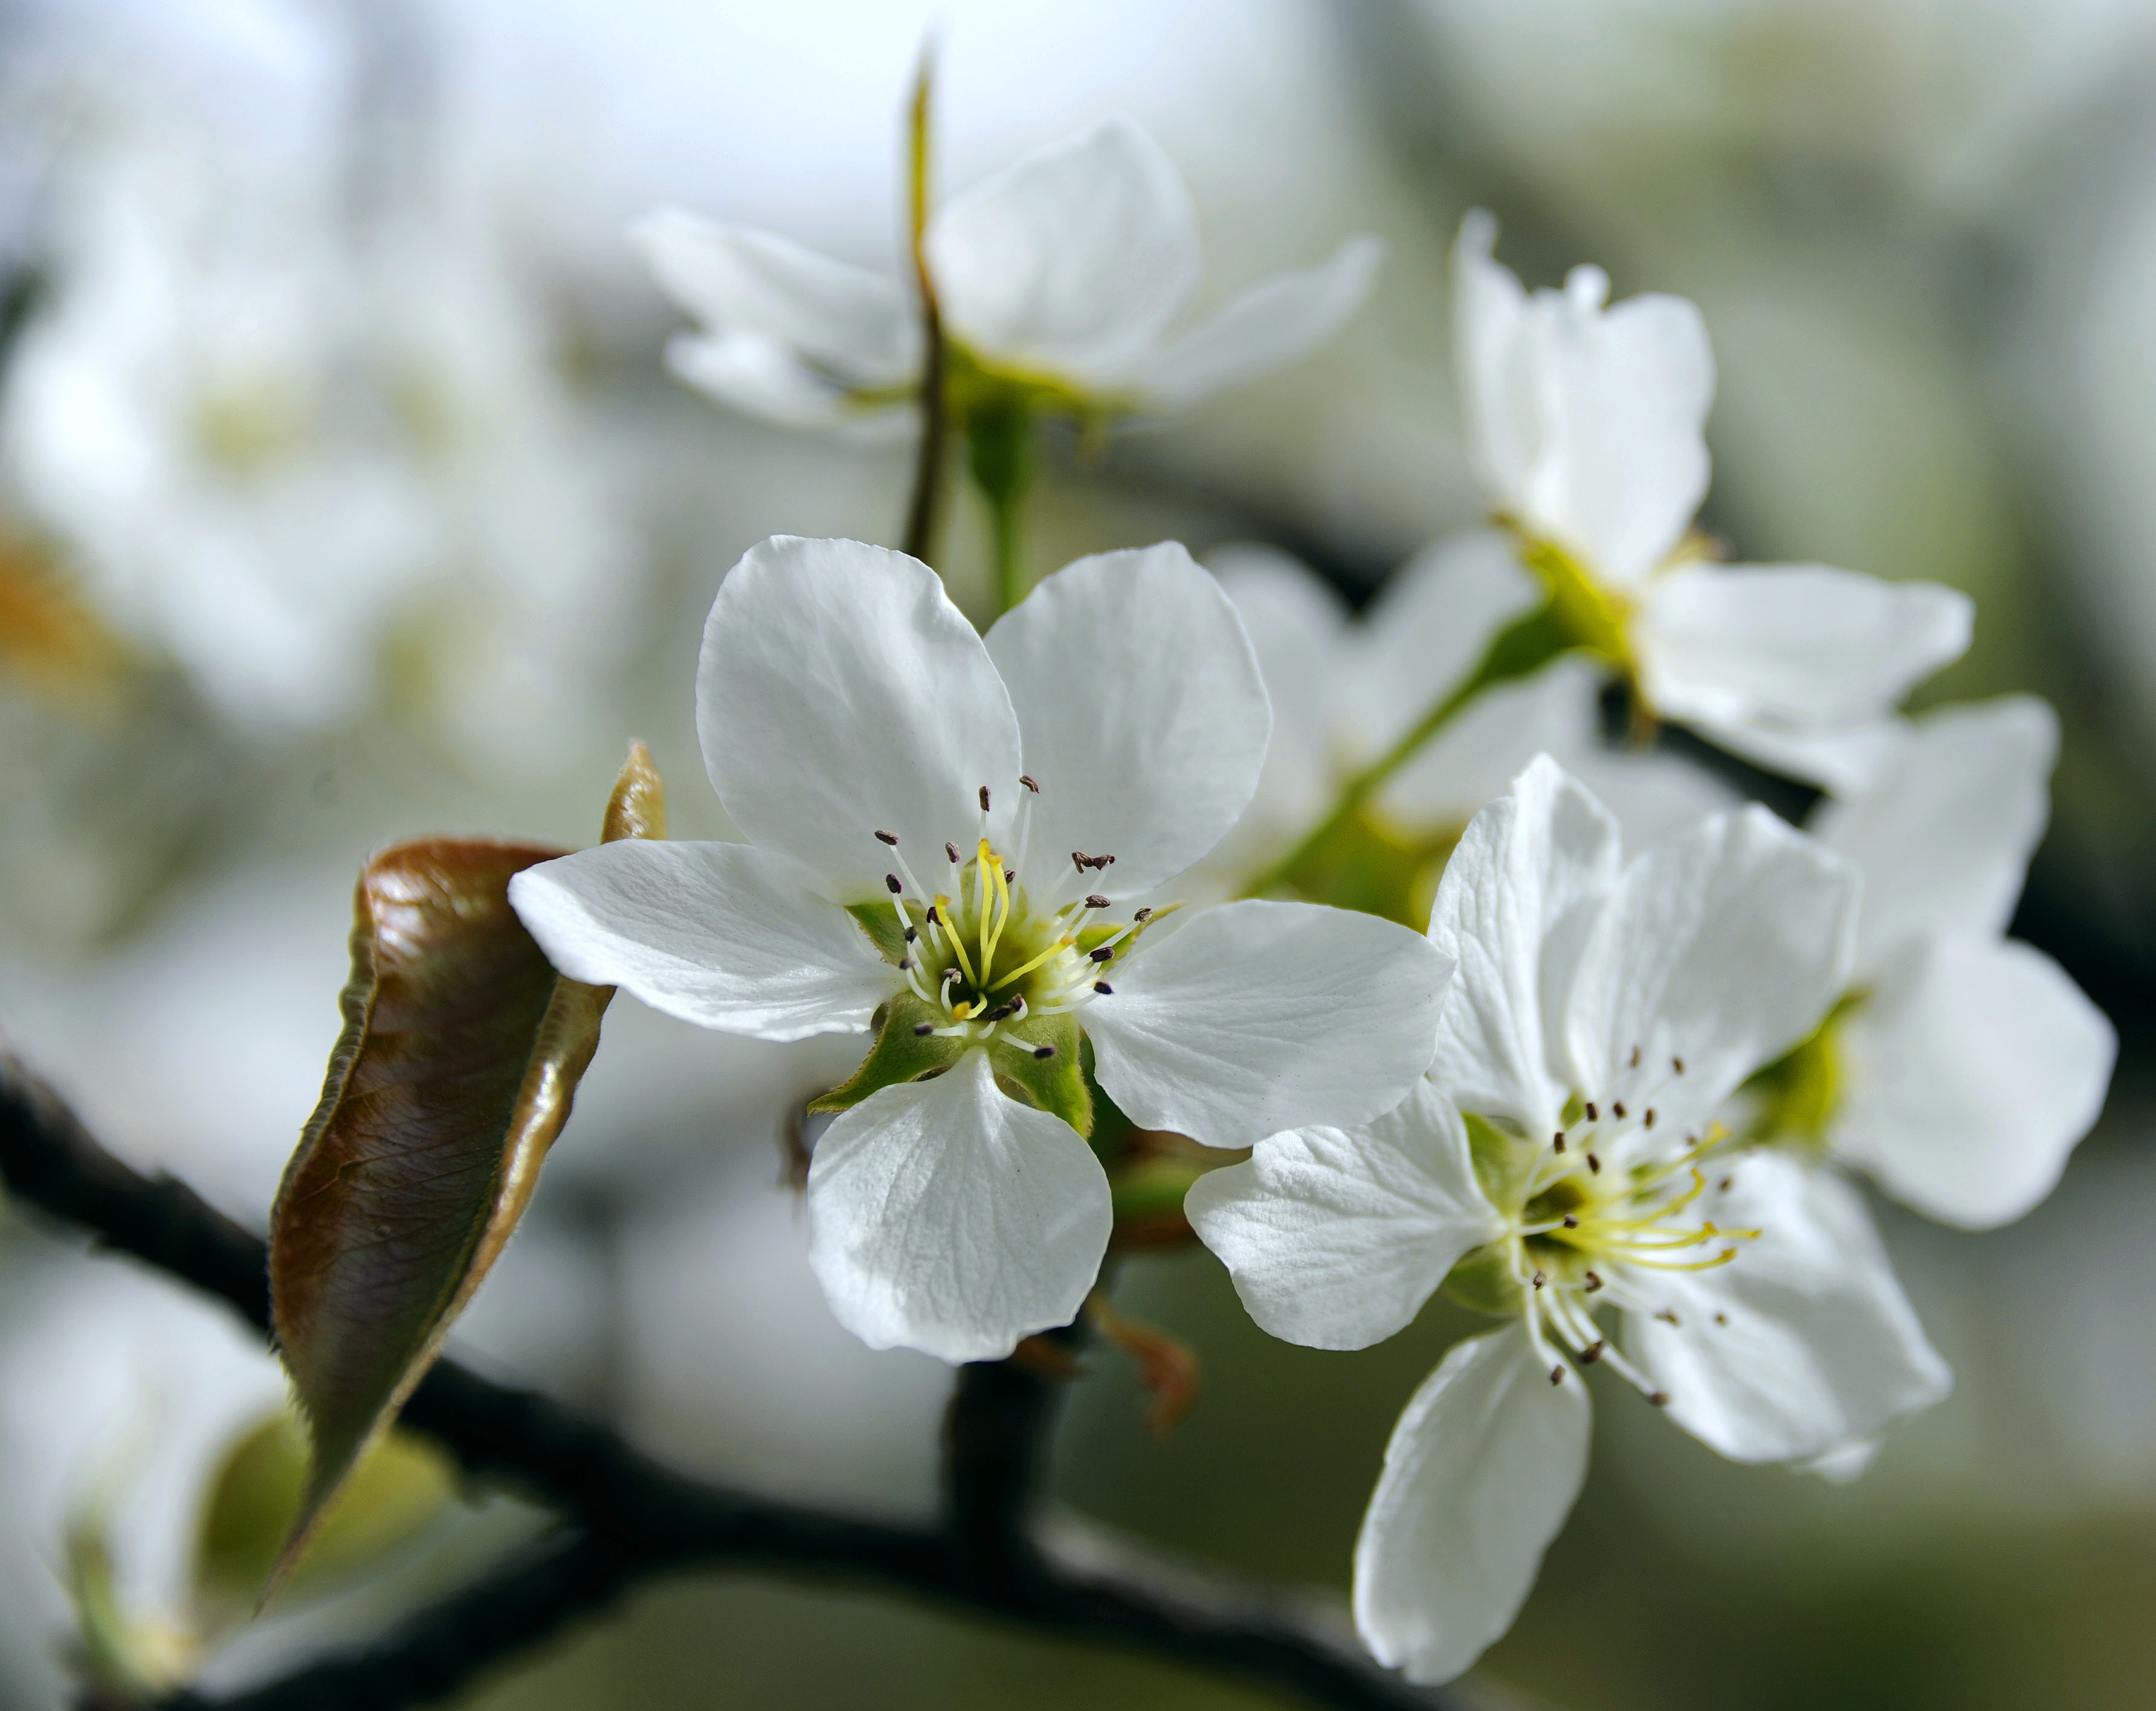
(1523, 646)
(920, 516)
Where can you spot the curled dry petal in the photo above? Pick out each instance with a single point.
(460, 1053)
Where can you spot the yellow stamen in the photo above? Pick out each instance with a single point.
(961, 1010)
(1027, 968)
(957, 942)
(992, 873)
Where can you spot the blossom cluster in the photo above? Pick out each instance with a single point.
(1613, 1097)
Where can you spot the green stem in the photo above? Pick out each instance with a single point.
(1000, 448)
(1520, 648)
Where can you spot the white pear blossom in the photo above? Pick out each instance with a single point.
(1560, 1159)
(1344, 690)
(1585, 426)
(1060, 275)
(946, 832)
(1961, 1066)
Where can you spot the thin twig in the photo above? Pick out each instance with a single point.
(639, 1519)
(935, 430)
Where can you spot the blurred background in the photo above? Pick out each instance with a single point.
(343, 497)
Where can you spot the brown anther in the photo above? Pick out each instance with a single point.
(1633, 1062)
(921, 1030)
(1557, 1141)
(903, 964)
(1722, 1319)
(1103, 988)
(1647, 1117)
(984, 799)
(1043, 1052)
(889, 837)
(1617, 1110)
(1661, 1399)
(1143, 916)
(1593, 1282)
(1667, 1316)
(1002, 1012)
(933, 916)
(1595, 1164)
(952, 851)
(1557, 1374)
(1592, 1115)
(1723, 1185)
(1078, 860)
(1026, 779)
(1540, 1278)
(1570, 1222)
(1591, 1353)
(1102, 955)
(1677, 1065)
(912, 933)
(1095, 900)
(1010, 876)
(891, 880)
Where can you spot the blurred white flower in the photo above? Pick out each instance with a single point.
(855, 727)
(1058, 278)
(1962, 1066)
(1558, 1159)
(1585, 425)
(1345, 690)
(314, 460)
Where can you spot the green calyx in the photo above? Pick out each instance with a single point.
(1593, 618)
(1797, 1096)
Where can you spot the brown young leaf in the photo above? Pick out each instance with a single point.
(460, 1054)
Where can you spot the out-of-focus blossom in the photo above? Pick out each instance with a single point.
(1098, 742)
(1057, 278)
(1585, 425)
(1961, 1066)
(319, 461)
(1345, 690)
(1561, 1158)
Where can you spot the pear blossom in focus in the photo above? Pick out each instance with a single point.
(1562, 1159)
(1058, 279)
(951, 837)
(1585, 426)
(1960, 1067)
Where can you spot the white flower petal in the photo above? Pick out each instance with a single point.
(1265, 328)
(1588, 422)
(1943, 834)
(855, 327)
(1255, 1017)
(1073, 259)
(723, 935)
(1515, 903)
(1298, 628)
(841, 693)
(1844, 761)
(1794, 648)
(1722, 947)
(1143, 713)
(1482, 1471)
(1430, 627)
(758, 377)
(947, 1217)
(1972, 1071)
(1847, 1465)
(1336, 1237)
(1804, 1342)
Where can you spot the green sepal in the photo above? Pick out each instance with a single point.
(1502, 1159)
(1799, 1094)
(1483, 1281)
(899, 1054)
(880, 921)
(1057, 1083)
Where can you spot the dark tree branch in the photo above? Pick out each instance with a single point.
(636, 1520)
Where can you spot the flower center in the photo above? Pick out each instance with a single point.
(1583, 1229)
(990, 945)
